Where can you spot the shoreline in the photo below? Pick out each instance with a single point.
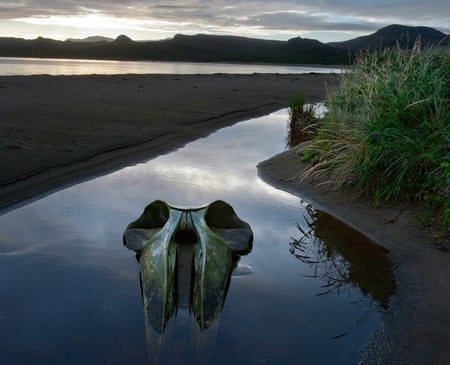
(58, 130)
(416, 328)
(26, 189)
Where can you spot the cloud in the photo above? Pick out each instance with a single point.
(289, 17)
(308, 22)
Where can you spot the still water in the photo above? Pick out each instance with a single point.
(55, 66)
(310, 291)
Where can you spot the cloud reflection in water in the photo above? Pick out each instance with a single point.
(71, 280)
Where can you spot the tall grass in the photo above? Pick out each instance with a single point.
(302, 121)
(387, 132)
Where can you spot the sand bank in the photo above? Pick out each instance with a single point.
(417, 326)
(55, 130)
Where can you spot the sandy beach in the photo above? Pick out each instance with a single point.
(58, 130)
(55, 130)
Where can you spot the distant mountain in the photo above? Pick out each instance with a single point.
(195, 48)
(95, 38)
(46, 48)
(212, 48)
(392, 35)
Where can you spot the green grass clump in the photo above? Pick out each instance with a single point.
(302, 121)
(387, 131)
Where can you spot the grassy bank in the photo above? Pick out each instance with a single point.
(386, 135)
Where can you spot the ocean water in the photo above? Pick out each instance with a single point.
(54, 66)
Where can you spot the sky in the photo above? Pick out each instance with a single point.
(325, 20)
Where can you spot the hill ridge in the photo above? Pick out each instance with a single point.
(221, 48)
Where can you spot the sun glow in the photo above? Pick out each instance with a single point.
(96, 23)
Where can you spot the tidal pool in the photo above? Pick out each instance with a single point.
(311, 290)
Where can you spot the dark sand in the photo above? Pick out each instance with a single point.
(58, 130)
(55, 130)
(417, 325)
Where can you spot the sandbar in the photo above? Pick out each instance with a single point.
(57, 130)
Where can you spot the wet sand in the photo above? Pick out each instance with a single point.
(56, 130)
(417, 325)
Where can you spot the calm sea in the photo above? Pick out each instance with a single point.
(53, 66)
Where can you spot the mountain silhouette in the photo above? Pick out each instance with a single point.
(95, 38)
(393, 35)
(218, 48)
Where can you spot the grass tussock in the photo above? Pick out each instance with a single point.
(387, 132)
(303, 121)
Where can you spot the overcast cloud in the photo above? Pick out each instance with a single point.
(280, 19)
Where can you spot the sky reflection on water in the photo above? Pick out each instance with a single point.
(69, 290)
(55, 66)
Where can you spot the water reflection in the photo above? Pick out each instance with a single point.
(53, 66)
(343, 259)
(69, 289)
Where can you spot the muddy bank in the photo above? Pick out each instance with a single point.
(417, 325)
